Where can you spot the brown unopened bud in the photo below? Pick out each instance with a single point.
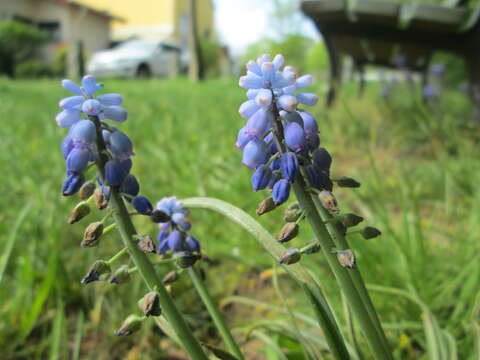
(185, 259)
(312, 250)
(171, 277)
(97, 269)
(79, 212)
(294, 206)
(92, 234)
(341, 229)
(291, 256)
(328, 201)
(369, 232)
(158, 216)
(131, 324)
(86, 190)
(346, 258)
(265, 206)
(292, 215)
(289, 231)
(350, 220)
(101, 201)
(150, 304)
(146, 244)
(120, 276)
(344, 181)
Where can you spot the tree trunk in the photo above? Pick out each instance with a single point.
(196, 66)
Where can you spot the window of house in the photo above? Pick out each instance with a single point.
(51, 28)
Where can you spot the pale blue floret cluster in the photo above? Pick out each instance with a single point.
(273, 95)
(173, 234)
(79, 147)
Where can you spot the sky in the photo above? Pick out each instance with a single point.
(242, 22)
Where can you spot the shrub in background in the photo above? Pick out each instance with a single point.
(18, 42)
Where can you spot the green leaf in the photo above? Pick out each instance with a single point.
(322, 310)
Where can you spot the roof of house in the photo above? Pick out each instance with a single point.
(103, 13)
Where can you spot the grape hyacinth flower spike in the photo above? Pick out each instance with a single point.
(281, 145)
(91, 140)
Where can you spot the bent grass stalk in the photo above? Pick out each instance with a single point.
(145, 268)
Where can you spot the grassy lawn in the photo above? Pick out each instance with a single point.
(419, 168)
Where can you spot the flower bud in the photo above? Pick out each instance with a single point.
(97, 269)
(350, 220)
(328, 200)
(77, 159)
(316, 177)
(92, 234)
(86, 190)
(101, 200)
(192, 244)
(130, 325)
(369, 232)
(291, 215)
(265, 206)
(185, 259)
(79, 212)
(120, 276)
(120, 145)
(92, 107)
(261, 177)
(291, 256)
(289, 231)
(171, 277)
(294, 136)
(341, 229)
(346, 258)
(83, 132)
(130, 186)
(176, 240)
(314, 249)
(289, 165)
(322, 159)
(115, 173)
(146, 244)
(294, 116)
(158, 216)
(281, 191)
(142, 205)
(150, 304)
(72, 184)
(254, 153)
(344, 181)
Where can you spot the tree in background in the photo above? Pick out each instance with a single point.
(18, 43)
(196, 69)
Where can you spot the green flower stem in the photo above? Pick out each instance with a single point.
(147, 271)
(160, 262)
(215, 313)
(109, 228)
(354, 299)
(342, 244)
(373, 334)
(117, 256)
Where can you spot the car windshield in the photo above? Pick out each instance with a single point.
(138, 45)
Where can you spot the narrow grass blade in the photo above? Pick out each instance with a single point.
(296, 271)
(77, 342)
(12, 237)
(271, 344)
(57, 332)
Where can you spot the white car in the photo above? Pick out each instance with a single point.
(137, 58)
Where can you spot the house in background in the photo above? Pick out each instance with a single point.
(68, 23)
(157, 19)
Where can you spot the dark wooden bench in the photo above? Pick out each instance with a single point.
(375, 32)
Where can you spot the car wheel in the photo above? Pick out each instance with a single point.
(143, 71)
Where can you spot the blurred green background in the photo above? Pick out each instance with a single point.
(419, 170)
